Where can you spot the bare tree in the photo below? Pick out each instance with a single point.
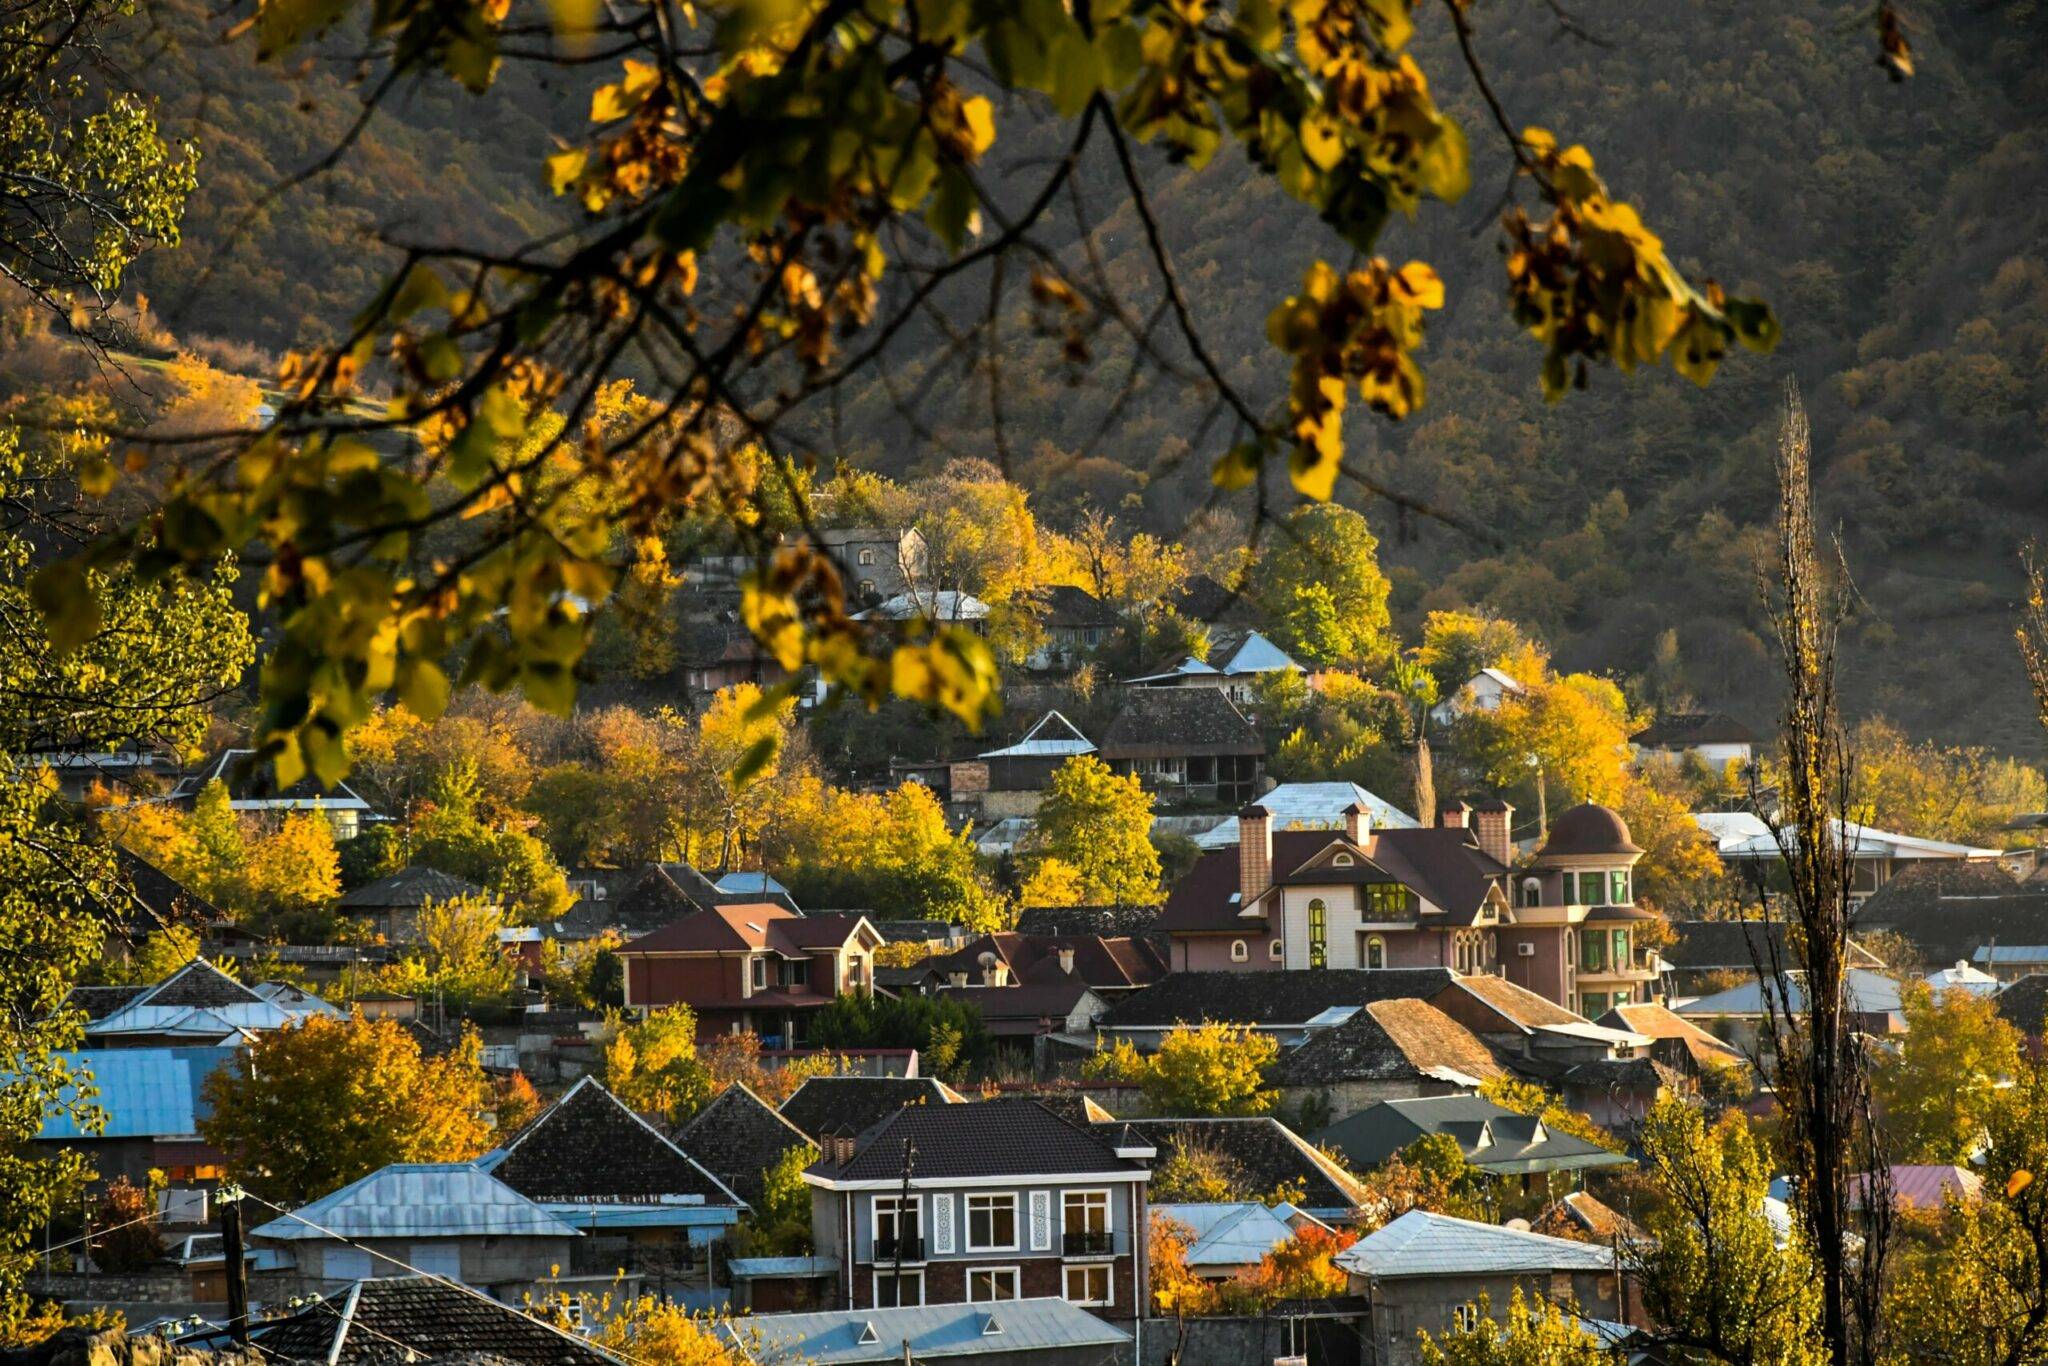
(2033, 628)
(1817, 1059)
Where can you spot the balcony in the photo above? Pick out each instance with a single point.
(908, 1249)
(1097, 1244)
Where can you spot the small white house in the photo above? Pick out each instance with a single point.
(1483, 691)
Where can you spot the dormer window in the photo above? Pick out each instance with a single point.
(1342, 861)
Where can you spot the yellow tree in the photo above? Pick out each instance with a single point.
(1937, 1094)
(1208, 1069)
(1537, 1333)
(1098, 824)
(652, 1064)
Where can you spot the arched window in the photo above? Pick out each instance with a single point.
(1274, 951)
(1318, 934)
(1375, 952)
(1532, 891)
(1342, 861)
(1238, 953)
(867, 557)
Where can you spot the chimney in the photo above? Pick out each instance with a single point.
(1453, 815)
(1491, 823)
(993, 970)
(957, 978)
(1357, 824)
(1254, 852)
(1067, 959)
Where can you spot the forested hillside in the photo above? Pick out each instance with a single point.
(1899, 230)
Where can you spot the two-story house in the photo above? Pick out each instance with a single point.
(755, 966)
(1446, 896)
(1002, 1200)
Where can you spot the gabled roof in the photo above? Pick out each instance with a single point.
(1313, 806)
(1599, 1221)
(420, 1200)
(1869, 993)
(1397, 1040)
(1163, 722)
(1267, 1152)
(198, 1001)
(1020, 1008)
(748, 925)
(1517, 1004)
(1493, 1138)
(1923, 1187)
(989, 1138)
(1269, 999)
(944, 605)
(1233, 652)
(1112, 964)
(852, 1105)
(1420, 1243)
(143, 1092)
(1050, 737)
(1231, 1233)
(1661, 1022)
(388, 1319)
(1683, 729)
(96, 1003)
(737, 1137)
(588, 1148)
(253, 784)
(932, 1331)
(2024, 1004)
(1202, 598)
(411, 888)
(1741, 835)
(165, 896)
(1062, 604)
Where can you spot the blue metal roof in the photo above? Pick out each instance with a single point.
(932, 1330)
(144, 1092)
(420, 1200)
(750, 884)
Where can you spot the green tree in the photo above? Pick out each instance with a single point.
(780, 1225)
(1099, 824)
(652, 1065)
(1539, 1334)
(948, 1033)
(1936, 1095)
(1710, 1268)
(456, 954)
(454, 837)
(307, 1110)
(1207, 1069)
(1320, 585)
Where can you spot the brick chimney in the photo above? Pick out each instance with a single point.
(1067, 958)
(1254, 852)
(1491, 822)
(1357, 824)
(1453, 815)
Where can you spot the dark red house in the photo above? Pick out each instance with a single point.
(753, 966)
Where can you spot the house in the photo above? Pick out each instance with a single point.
(1187, 745)
(1263, 1154)
(1011, 779)
(1112, 967)
(1714, 738)
(659, 894)
(1483, 691)
(1202, 598)
(1238, 658)
(1427, 1272)
(1023, 1332)
(597, 1166)
(1076, 624)
(878, 562)
(1311, 806)
(737, 1138)
(1229, 1237)
(826, 1107)
(152, 1100)
(393, 904)
(1385, 1050)
(450, 1219)
(999, 1201)
(1578, 1215)
(1060, 1004)
(1289, 1005)
(252, 788)
(753, 966)
(945, 606)
(1496, 1141)
(1576, 928)
(197, 1004)
(1745, 841)
(135, 770)
(1922, 1188)
(1710, 955)
(1962, 977)
(780, 1285)
(418, 1318)
(2024, 1004)
(1974, 913)
(715, 655)
(1740, 1015)
(1675, 1041)
(1619, 1093)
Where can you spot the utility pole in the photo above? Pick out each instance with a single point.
(237, 1267)
(902, 1200)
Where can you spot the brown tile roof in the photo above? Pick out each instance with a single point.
(1446, 867)
(748, 925)
(1590, 1217)
(1394, 1040)
(1588, 828)
(1515, 1003)
(1268, 998)
(1112, 964)
(1660, 1022)
(1164, 722)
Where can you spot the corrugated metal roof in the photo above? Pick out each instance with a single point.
(1313, 806)
(1868, 993)
(1423, 1244)
(2011, 953)
(144, 1092)
(1052, 736)
(745, 1267)
(1228, 1234)
(750, 884)
(1741, 835)
(420, 1200)
(933, 1330)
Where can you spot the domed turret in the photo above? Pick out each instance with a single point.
(1589, 829)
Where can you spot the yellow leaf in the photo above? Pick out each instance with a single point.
(978, 116)
(1322, 140)
(565, 168)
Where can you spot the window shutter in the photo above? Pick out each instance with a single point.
(942, 1224)
(1041, 1221)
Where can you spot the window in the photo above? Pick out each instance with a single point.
(1238, 952)
(893, 1291)
(992, 1223)
(1593, 950)
(1388, 901)
(1619, 948)
(799, 972)
(1318, 934)
(1464, 1317)
(1087, 1285)
(866, 557)
(898, 1229)
(1084, 1225)
(1274, 951)
(1624, 997)
(760, 974)
(987, 1283)
(1375, 952)
(1342, 861)
(1617, 887)
(1593, 1004)
(1532, 892)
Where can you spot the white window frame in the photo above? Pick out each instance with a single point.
(1092, 1198)
(1105, 1269)
(1275, 951)
(1464, 1317)
(1373, 942)
(895, 1204)
(1238, 952)
(875, 1285)
(988, 1200)
(1015, 1273)
(760, 972)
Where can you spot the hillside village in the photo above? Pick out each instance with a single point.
(1136, 1029)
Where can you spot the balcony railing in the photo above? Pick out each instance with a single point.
(1099, 1244)
(908, 1249)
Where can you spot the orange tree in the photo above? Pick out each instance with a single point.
(311, 1108)
(768, 193)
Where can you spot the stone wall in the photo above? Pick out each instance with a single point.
(1196, 1342)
